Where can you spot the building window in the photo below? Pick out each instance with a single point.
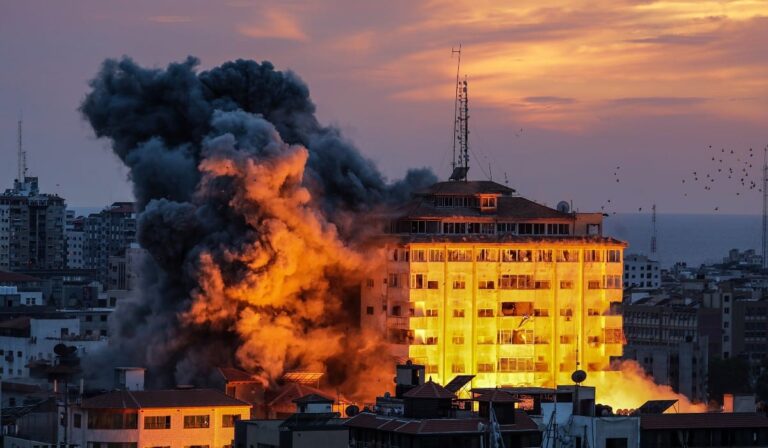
(614, 256)
(593, 284)
(515, 282)
(369, 282)
(433, 284)
(197, 421)
(485, 312)
(593, 255)
(418, 281)
(157, 422)
(485, 284)
(459, 255)
(541, 312)
(516, 256)
(418, 255)
(458, 312)
(432, 312)
(459, 281)
(544, 256)
(483, 367)
(488, 202)
(613, 336)
(566, 284)
(436, 255)
(77, 420)
(515, 365)
(541, 284)
(369, 310)
(458, 339)
(392, 281)
(228, 421)
(726, 310)
(112, 420)
(488, 255)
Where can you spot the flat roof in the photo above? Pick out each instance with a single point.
(178, 398)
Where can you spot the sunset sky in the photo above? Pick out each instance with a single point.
(561, 92)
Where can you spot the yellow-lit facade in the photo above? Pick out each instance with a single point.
(521, 295)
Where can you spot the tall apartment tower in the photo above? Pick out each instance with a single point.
(108, 233)
(31, 228)
(476, 280)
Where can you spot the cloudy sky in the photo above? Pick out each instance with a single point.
(561, 92)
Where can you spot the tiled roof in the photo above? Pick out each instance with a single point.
(437, 425)
(469, 188)
(509, 207)
(498, 396)
(704, 421)
(19, 323)
(14, 277)
(181, 398)
(232, 375)
(429, 389)
(313, 398)
(491, 239)
(294, 391)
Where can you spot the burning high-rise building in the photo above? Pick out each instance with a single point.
(480, 281)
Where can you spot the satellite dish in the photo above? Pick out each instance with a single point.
(61, 349)
(579, 376)
(563, 207)
(352, 410)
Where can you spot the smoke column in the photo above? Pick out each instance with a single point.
(251, 212)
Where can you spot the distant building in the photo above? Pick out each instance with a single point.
(31, 228)
(125, 268)
(75, 229)
(29, 342)
(663, 336)
(10, 296)
(640, 272)
(107, 233)
(747, 258)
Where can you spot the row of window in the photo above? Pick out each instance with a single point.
(507, 309)
(504, 255)
(119, 420)
(483, 228)
(505, 281)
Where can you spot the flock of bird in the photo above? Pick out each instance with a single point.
(738, 171)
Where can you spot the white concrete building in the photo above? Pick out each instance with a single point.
(640, 272)
(11, 296)
(25, 340)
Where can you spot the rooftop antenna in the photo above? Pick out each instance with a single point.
(653, 231)
(22, 155)
(460, 163)
(765, 206)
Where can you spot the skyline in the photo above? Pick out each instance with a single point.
(646, 92)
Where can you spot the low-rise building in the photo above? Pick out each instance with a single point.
(179, 418)
(640, 272)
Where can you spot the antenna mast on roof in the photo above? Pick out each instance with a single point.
(765, 206)
(22, 155)
(460, 162)
(653, 230)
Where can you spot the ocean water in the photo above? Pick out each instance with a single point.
(694, 239)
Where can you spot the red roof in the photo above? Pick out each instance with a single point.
(14, 277)
(313, 398)
(232, 375)
(429, 389)
(498, 396)
(174, 398)
(437, 425)
(710, 420)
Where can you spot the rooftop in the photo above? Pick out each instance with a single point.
(509, 207)
(466, 187)
(704, 421)
(438, 425)
(13, 277)
(430, 389)
(313, 398)
(232, 375)
(174, 398)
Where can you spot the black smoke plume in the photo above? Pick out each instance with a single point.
(248, 208)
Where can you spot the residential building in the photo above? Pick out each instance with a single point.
(640, 272)
(29, 342)
(75, 230)
(704, 430)
(107, 233)
(31, 228)
(663, 335)
(181, 418)
(475, 279)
